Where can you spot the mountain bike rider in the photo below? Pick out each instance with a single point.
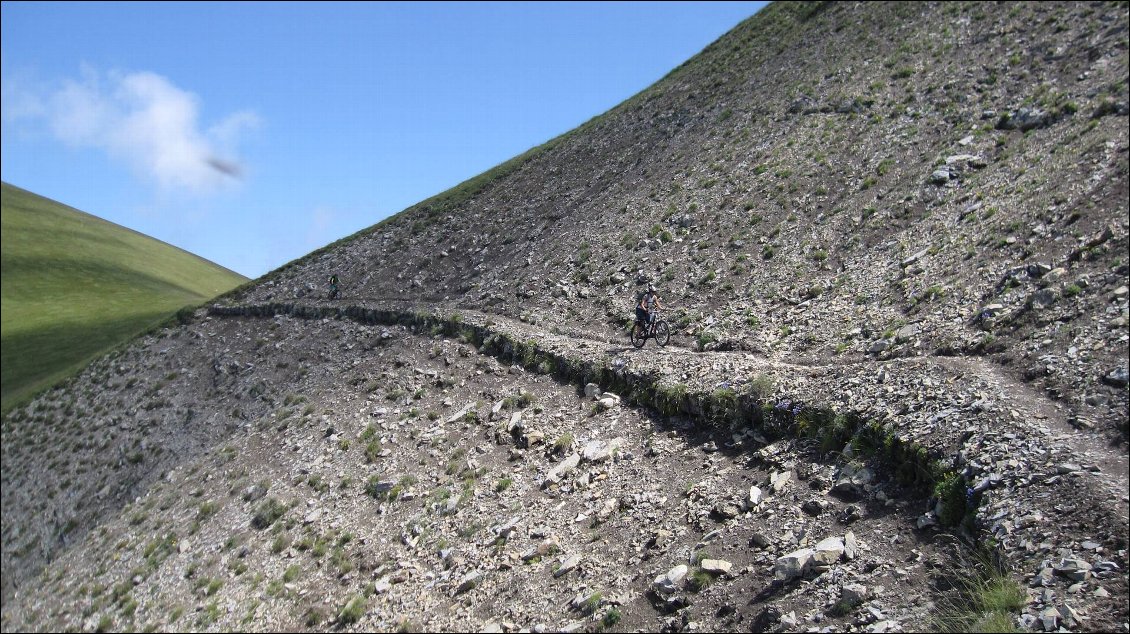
(333, 286)
(646, 307)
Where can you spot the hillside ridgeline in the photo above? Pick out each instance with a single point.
(892, 241)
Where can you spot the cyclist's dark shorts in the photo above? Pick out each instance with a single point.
(641, 315)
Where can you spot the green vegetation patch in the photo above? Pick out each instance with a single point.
(75, 286)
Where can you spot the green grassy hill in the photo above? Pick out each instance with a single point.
(75, 285)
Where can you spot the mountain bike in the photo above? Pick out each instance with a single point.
(658, 329)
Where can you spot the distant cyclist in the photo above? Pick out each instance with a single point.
(334, 289)
(646, 307)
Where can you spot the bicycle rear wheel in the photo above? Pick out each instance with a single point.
(662, 333)
(638, 335)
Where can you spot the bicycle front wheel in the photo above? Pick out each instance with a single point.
(639, 335)
(662, 333)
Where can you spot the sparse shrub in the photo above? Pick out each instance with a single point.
(318, 548)
(563, 442)
(281, 543)
(207, 509)
(210, 615)
(291, 573)
(267, 512)
(352, 612)
(373, 450)
(761, 386)
(955, 498)
(317, 482)
(981, 596)
(842, 608)
(698, 580)
(314, 615)
(705, 337)
(592, 603)
(184, 315)
(669, 400)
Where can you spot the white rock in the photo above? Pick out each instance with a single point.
(312, 516)
(854, 593)
(716, 566)
(754, 498)
(668, 582)
(567, 566)
(563, 467)
(828, 551)
(778, 480)
(793, 565)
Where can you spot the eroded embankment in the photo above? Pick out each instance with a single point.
(728, 406)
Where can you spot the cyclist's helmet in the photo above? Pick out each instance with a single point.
(651, 288)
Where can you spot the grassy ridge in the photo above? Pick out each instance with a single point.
(75, 285)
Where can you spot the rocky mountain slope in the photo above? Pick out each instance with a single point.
(892, 239)
(892, 180)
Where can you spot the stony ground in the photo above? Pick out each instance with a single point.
(395, 479)
(903, 225)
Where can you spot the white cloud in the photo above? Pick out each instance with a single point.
(17, 100)
(142, 119)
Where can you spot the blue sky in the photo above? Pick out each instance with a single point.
(254, 133)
